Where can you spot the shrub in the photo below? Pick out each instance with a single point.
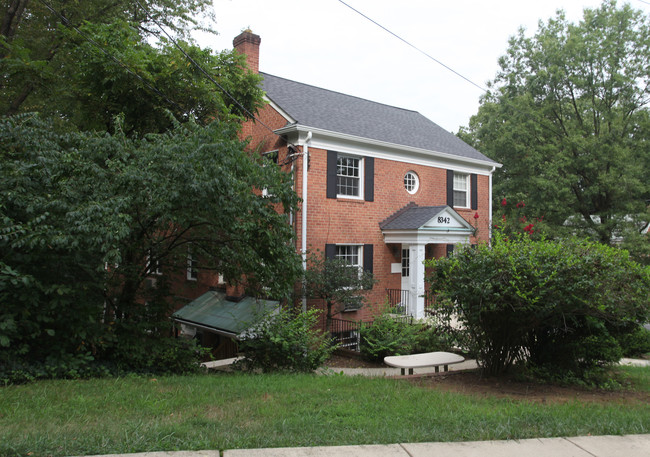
(430, 338)
(636, 342)
(561, 305)
(285, 342)
(387, 336)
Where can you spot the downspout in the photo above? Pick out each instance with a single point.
(490, 218)
(305, 166)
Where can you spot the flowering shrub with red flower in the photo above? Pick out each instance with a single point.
(511, 220)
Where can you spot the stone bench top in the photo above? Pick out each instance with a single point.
(426, 359)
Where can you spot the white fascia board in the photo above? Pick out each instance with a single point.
(350, 144)
(422, 237)
(282, 112)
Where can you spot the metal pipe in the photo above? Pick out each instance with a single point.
(305, 167)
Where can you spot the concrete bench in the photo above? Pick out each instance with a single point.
(426, 359)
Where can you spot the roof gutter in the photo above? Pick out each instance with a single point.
(297, 128)
(221, 332)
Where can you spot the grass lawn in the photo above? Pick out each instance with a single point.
(228, 411)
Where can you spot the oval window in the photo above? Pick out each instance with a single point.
(411, 182)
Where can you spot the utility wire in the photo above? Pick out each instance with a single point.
(207, 75)
(528, 115)
(414, 47)
(68, 24)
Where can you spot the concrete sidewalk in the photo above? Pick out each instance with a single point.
(581, 446)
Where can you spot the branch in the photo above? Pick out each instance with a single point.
(11, 19)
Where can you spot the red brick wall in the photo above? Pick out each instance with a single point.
(355, 221)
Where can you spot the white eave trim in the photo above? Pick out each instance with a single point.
(446, 236)
(342, 142)
(282, 112)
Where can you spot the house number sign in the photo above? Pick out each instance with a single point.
(444, 220)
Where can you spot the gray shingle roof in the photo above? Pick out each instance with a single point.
(333, 111)
(411, 217)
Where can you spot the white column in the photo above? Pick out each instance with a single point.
(416, 280)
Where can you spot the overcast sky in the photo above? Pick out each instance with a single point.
(326, 44)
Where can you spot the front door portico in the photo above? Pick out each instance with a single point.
(413, 227)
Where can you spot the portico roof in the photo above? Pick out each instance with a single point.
(415, 224)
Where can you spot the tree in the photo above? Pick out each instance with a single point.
(336, 282)
(108, 67)
(567, 116)
(84, 214)
(37, 52)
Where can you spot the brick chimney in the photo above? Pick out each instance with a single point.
(248, 43)
(234, 292)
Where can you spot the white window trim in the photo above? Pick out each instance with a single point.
(361, 195)
(467, 190)
(416, 187)
(157, 271)
(406, 263)
(359, 247)
(192, 273)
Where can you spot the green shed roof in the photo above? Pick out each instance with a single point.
(213, 312)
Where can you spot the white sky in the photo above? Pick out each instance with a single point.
(326, 44)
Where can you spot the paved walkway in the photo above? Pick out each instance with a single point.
(581, 446)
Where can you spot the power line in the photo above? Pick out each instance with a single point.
(415, 47)
(207, 75)
(68, 24)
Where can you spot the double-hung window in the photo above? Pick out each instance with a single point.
(461, 190)
(153, 265)
(192, 271)
(352, 254)
(349, 176)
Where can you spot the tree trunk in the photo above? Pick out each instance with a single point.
(328, 322)
(11, 20)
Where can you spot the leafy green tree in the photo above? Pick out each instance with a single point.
(561, 306)
(336, 282)
(148, 82)
(567, 116)
(84, 214)
(38, 52)
(107, 66)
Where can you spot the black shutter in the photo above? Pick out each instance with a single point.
(450, 249)
(473, 185)
(367, 257)
(450, 187)
(330, 251)
(369, 179)
(331, 173)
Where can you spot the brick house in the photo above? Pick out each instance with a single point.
(384, 187)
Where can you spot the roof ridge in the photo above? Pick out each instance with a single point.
(341, 93)
(397, 213)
